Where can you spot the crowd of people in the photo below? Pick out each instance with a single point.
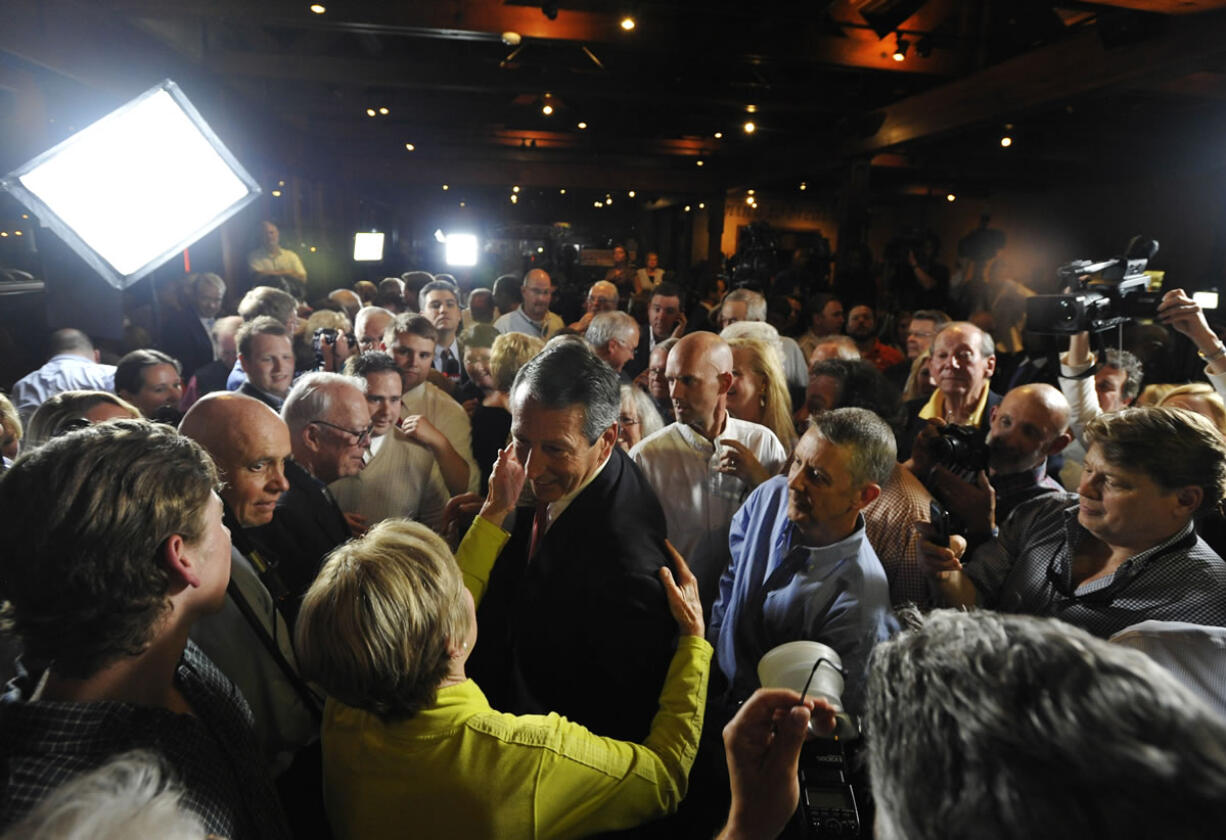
(245, 568)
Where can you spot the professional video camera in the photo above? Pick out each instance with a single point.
(1108, 294)
(960, 447)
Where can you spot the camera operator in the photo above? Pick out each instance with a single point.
(1124, 552)
(1183, 314)
(962, 364)
(1028, 426)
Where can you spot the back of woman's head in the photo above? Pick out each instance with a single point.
(374, 627)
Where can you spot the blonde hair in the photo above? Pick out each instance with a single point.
(777, 408)
(10, 422)
(1153, 394)
(911, 390)
(326, 319)
(509, 353)
(1201, 391)
(375, 626)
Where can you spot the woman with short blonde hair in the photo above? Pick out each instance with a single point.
(386, 630)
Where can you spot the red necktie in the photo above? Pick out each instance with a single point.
(539, 523)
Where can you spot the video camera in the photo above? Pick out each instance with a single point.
(1109, 293)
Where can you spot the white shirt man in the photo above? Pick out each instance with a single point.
(410, 340)
(533, 317)
(401, 478)
(704, 465)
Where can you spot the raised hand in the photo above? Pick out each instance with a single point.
(682, 592)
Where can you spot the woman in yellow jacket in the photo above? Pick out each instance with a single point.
(411, 746)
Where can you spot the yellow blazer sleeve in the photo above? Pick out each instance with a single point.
(591, 784)
(477, 553)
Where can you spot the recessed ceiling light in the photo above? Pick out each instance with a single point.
(719, 135)
(370, 112)
(751, 109)
(698, 163)
(628, 23)
(951, 198)
(514, 198)
(410, 147)
(562, 191)
(702, 205)
(1006, 141)
(383, 111)
(803, 185)
(445, 187)
(317, 8)
(515, 188)
(582, 126)
(687, 208)
(463, 203)
(748, 192)
(276, 193)
(750, 128)
(631, 193)
(547, 109)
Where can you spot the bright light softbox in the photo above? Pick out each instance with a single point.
(136, 187)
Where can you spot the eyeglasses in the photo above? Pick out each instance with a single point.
(628, 421)
(362, 436)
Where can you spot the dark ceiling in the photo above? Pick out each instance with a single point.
(1084, 88)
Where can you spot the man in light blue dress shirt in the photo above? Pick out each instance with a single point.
(802, 567)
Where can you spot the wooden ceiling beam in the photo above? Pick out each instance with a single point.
(1060, 72)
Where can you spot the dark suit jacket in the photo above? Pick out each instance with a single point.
(915, 424)
(584, 628)
(185, 338)
(247, 389)
(306, 526)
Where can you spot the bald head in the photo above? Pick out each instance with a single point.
(249, 444)
(1030, 424)
(699, 374)
(537, 293)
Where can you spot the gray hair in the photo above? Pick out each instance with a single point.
(132, 795)
(265, 300)
(1173, 446)
(1131, 365)
(981, 724)
(650, 420)
(755, 303)
(873, 450)
(611, 325)
(214, 280)
(987, 347)
(567, 373)
(311, 398)
(757, 330)
(366, 313)
(846, 345)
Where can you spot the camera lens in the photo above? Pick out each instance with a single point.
(1067, 310)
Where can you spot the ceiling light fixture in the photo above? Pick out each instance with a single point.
(631, 193)
(803, 185)
(514, 198)
(702, 206)
(370, 112)
(383, 111)
(750, 128)
(628, 23)
(410, 147)
(951, 198)
(582, 126)
(515, 188)
(900, 47)
(445, 187)
(719, 135)
(748, 192)
(317, 8)
(698, 163)
(562, 191)
(751, 109)
(1006, 141)
(546, 109)
(687, 208)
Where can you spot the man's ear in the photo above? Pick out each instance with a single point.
(181, 567)
(311, 437)
(991, 365)
(241, 364)
(992, 414)
(1190, 498)
(869, 494)
(97, 356)
(607, 440)
(725, 382)
(1060, 442)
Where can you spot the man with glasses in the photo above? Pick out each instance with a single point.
(925, 324)
(1123, 550)
(329, 426)
(440, 302)
(369, 326)
(602, 297)
(533, 317)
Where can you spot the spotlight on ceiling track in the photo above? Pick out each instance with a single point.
(900, 48)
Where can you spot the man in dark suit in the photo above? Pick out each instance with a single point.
(665, 319)
(185, 332)
(329, 425)
(266, 355)
(575, 620)
(440, 302)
